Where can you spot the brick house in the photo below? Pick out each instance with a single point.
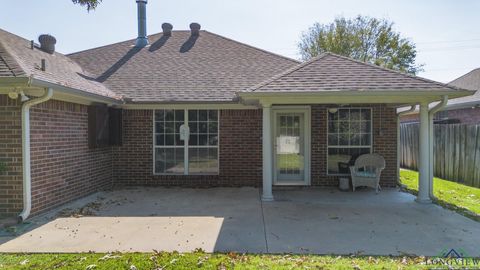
(191, 108)
(464, 110)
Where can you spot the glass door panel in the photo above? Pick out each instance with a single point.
(289, 148)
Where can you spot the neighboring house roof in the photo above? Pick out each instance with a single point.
(331, 72)
(18, 59)
(470, 81)
(181, 67)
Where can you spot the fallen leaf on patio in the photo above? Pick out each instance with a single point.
(333, 217)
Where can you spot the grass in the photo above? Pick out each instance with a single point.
(289, 161)
(201, 260)
(451, 195)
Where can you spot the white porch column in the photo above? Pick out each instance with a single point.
(267, 153)
(424, 156)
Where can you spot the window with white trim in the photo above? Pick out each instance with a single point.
(194, 152)
(349, 136)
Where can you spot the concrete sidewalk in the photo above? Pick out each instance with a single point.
(313, 220)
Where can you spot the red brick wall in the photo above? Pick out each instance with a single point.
(240, 152)
(63, 167)
(385, 144)
(11, 155)
(241, 149)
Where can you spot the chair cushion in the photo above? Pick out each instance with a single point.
(365, 174)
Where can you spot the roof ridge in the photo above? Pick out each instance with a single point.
(251, 46)
(99, 47)
(119, 42)
(285, 73)
(204, 31)
(395, 71)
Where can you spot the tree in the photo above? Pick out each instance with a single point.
(90, 4)
(363, 38)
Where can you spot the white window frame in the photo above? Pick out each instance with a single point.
(349, 146)
(186, 145)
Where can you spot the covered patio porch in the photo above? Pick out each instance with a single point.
(355, 107)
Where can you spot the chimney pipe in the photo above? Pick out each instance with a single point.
(142, 39)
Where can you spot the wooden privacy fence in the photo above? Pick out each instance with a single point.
(456, 151)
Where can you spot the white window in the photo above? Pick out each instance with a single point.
(194, 154)
(349, 136)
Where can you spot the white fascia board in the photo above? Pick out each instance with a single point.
(65, 93)
(198, 106)
(399, 92)
(351, 97)
(12, 82)
(463, 105)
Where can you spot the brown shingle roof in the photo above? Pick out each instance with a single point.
(180, 68)
(21, 60)
(331, 72)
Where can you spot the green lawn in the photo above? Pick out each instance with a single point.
(289, 161)
(463, 199)
(201, 260)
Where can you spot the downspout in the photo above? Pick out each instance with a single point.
(27, 181)
(412, 109)
(431, 114)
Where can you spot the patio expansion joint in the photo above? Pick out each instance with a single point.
(263, 221)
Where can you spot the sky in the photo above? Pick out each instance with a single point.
(446, 32)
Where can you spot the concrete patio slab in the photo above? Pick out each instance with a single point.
(144, 219)
(335, 222)
(312, 220)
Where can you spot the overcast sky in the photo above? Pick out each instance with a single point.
(447, 33)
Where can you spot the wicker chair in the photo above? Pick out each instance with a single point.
(367, 170)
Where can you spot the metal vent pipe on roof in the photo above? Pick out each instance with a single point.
(195, 29)
(142, 39)
(167, 29)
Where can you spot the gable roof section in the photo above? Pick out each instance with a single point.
(17, 59)
(331, 72)
(181, 68)
(470, 81)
